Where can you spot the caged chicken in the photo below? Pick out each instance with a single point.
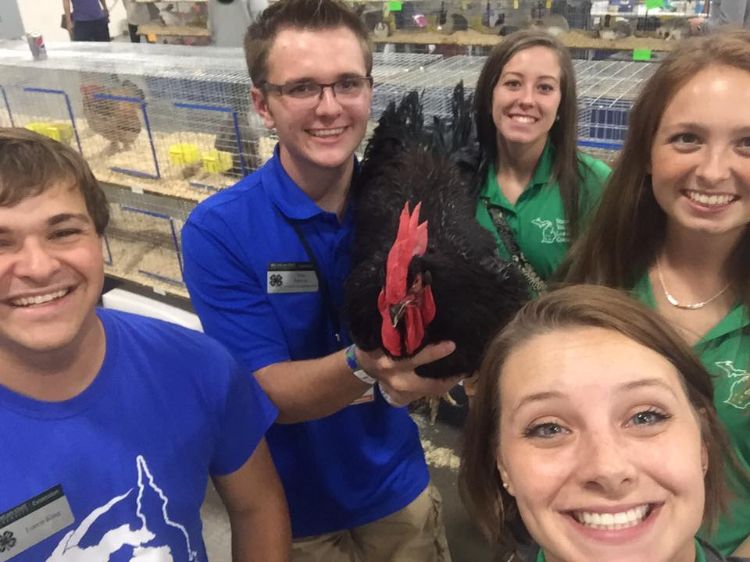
(250, 128)
(113, 116)
(423, 270)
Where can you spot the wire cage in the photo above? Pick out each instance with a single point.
(482, 16)
(176, 125)
(435, 81)
(391, 69)
(142, 241)
(606, 92)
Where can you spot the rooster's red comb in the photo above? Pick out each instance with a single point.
(411, 240)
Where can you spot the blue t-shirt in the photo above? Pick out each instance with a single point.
(87, 10)
(134, 450)
(253, 286)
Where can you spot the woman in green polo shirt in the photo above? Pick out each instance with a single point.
(536, 187)
(673, 228)
(592, 468)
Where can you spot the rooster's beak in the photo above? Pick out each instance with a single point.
(397, 312)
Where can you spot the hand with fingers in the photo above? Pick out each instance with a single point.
(398, 383)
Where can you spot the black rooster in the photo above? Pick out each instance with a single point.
(412, 284)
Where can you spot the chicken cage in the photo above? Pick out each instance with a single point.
(164, 126)
(481, 16)
(606, 92)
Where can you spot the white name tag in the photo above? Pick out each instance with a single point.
(33, 521)
(291, 277)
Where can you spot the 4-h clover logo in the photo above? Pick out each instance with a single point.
(276, 280)
(7, 541)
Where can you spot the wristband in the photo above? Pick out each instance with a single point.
(353, 364)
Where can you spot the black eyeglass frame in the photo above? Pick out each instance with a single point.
(280, 88)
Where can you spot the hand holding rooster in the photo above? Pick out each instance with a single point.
(397, 379)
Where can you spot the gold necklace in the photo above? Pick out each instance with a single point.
(677, 304)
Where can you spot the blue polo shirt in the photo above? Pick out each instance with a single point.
(250, 281)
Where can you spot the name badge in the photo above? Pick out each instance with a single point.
(291, 277)
(33, 521)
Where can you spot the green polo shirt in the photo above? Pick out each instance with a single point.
(537, 220)
(725, 352)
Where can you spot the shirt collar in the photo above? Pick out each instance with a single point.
(543, 170)
(288, 197)
(542, 173)
(738, 317)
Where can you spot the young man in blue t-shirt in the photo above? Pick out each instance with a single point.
(265, 263)
(111, 423)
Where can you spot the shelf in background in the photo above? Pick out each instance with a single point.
(173, 30)
(573, 39)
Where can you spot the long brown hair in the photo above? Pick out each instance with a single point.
(489, 504)
(564, 132)
(628, 229)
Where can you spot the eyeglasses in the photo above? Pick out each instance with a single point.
(344, 89)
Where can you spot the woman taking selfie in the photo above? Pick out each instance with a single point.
(593, 436)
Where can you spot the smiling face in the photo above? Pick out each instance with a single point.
(51, 272)
(700, 158)
(584, 434)
(324, 134)
(526, 97)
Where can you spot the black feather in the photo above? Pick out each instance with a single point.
(475, 292)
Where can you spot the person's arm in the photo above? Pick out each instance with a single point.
(257, 510)
(234, 308)
(305, 390)
(66, 11)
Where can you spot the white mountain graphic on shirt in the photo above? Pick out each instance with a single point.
(134, 526)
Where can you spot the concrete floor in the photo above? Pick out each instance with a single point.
(439, 440)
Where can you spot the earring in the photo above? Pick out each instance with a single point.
(557, 117)
(505, 485)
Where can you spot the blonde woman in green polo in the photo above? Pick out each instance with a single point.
(537, 189)
(673, 228)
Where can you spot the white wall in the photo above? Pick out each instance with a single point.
(44, 16)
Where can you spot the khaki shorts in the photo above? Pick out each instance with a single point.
(414, 534)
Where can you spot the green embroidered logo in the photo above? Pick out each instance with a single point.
(739, 392)
(552, 232)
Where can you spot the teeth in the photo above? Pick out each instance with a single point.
(523, 119)
(39, 299)
(709, 200)
(327, 132)
(612, 521)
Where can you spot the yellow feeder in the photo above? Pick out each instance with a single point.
(216, 161)
(184, 154)
(61, 132)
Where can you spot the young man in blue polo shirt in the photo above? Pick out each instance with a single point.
(265, 263)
